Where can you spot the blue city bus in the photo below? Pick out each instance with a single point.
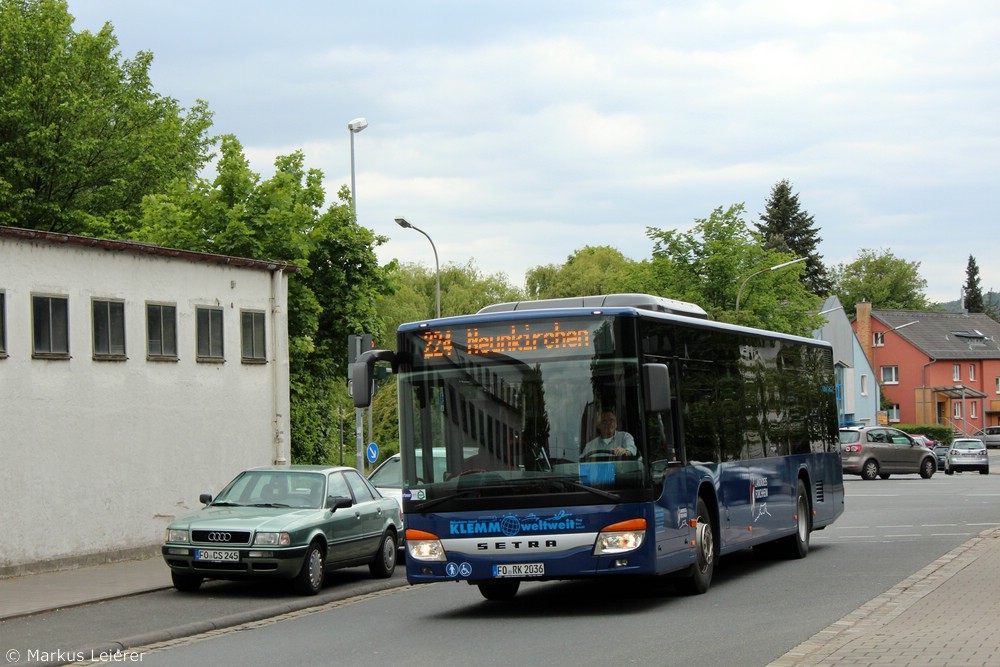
(722, 438)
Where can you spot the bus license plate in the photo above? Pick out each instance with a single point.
(519, 570)
(215, 554)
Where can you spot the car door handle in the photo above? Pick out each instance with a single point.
(357, 515)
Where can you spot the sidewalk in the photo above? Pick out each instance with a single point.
(942, 616)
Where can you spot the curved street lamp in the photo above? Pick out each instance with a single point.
(437, 269)
(354, 127)
(757, 273)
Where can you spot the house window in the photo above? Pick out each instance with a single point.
(956, 372)
(209, 324)
(996, 381)
(957, 410)
(50, 327)
(972, 410)
(864, 384)
(972, 372)
(890, 375)
(161, 331)
(109, 329)
(894, 412)
(878, 339)
(252, 328)
(3, 325)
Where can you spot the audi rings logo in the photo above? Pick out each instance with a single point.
(219, 537)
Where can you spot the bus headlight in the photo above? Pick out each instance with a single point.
(422, 545)
(620, 537)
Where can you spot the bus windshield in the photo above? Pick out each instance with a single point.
(533, 410)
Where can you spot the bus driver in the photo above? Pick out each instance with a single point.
(610, 441)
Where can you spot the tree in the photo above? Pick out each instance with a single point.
(786, 228)
(331, 297)
(882, 279)
(83, 137)
(590, 270)
(710, 263)
(972, 291)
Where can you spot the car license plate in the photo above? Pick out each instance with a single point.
(519, 570)
(216, 554)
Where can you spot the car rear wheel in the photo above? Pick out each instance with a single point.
(186, 582)
(384, 563)
(309, 580)
(927, 468)
(870, 469)
(984, 471)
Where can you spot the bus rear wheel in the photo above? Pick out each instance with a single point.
(698, 577)
(499, 591)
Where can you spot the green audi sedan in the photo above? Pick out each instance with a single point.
(285, 522)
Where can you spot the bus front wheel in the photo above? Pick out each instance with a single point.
(698, 577)
(499, 591)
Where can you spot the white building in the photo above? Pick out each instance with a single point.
(132, 378)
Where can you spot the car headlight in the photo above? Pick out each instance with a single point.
(176, 535)
(422, 545)
(620, 537)
(272, 540)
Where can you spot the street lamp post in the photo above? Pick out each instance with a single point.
(757, 273)
(354, 127)
(437, 268)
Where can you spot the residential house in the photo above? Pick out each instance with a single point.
(134, 377)
(934, 367)
(857, 390)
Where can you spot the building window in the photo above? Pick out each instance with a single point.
(50, 327)
(996, 389)
(956, 372)
(252, 328)
(209, 323)
(972, 410)
(878, 339)
(864, 384)
(3, 325)
(894, 412)
(161, 331)
(957, 410)
(972, 372)
(109, 329)
(890, 375)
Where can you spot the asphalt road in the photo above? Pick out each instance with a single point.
(755, 612)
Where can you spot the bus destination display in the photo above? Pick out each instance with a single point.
(520, 338)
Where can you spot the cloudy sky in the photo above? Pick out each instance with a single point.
(515, 133)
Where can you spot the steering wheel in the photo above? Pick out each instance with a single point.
(469, 472)
(598, 456)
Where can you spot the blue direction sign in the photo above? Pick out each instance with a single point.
(372, 452)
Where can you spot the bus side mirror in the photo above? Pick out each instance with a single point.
(362, 375)
(656, 387)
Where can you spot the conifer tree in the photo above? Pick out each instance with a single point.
(972, 290)
(785, 227)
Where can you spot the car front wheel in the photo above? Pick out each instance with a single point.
(309, 580)
(384, 563)
(186, 582)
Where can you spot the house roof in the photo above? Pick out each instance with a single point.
(945, 335)
(136, 247)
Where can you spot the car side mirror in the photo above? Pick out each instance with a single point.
(338, 502)
(205, 498)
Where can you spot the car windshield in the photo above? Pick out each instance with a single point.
(967, 444)
(274, 488)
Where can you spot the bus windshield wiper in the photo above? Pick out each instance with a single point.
(589, 489)
(427, 504)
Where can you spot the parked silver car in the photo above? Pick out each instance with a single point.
(880, 451)
(967, 454)
(991, 437)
